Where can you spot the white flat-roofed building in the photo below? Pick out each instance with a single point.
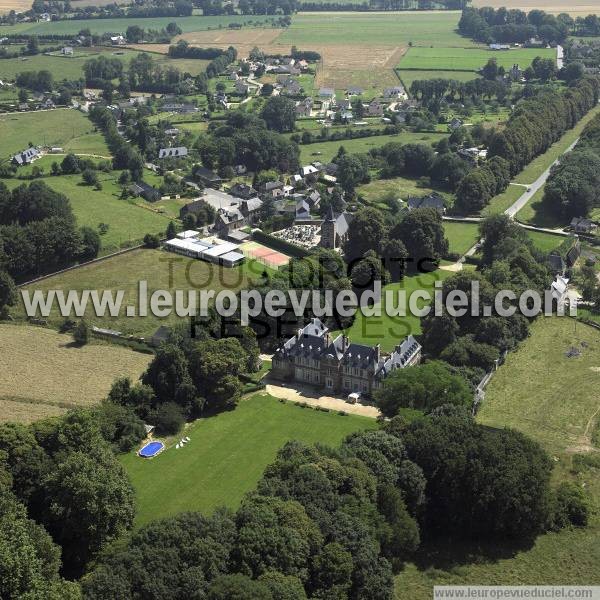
(189, 233)
(231, 259)
(214, 252)
(190, 247)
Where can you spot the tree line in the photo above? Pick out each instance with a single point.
(39, 233)
(534, 125)
(504, 25)
(573, 187)
(340, 522)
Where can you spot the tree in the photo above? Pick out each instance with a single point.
(90, 503)
(573, 71)
(353, 169)
(81, 333)
(29, 560)
(490, 71)
(8, 292)
(366, 231)
(151, 240)
(167, 373)
(422, 387)
(333, 571)
(482, 483)
(70, 164)
(422, 233)
(237, 587)
(90, 244)
(89, 177)
(171, 230)
(279, 113)
(134, 34)
(168, 419)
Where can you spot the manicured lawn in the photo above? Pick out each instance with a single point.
(537, 167)
(498, 204)
(398, 187)
(66, 376)
(546, 242)
(461, 236)
(468, 59)
(65, 128)
(325, 151)
(193, 23)
(162, 270)
(227, 455)
(389, 331)
(389, 28)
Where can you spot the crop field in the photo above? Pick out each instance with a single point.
(65, 128)
(16, 5)
(227, 455)
(390, 330)
(325, 151)
(193, 23)
(461, 236)
(162, 270)
(66, 376)
(468, 59)
(382, 29)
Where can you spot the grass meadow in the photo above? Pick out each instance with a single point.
(461, 236)
(65, 128)
(66, 376)
(552, 399)
(227, 455)
(387, 330)
(161, 269)
(325, 151)
(468, 59)
(378, 190)
(498, 204)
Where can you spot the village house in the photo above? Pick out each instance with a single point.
(304, 108)
(242, 190)
(117, 40)
(354, 91)
(582, 225)
(375, 109)
(67, 51)
(25, 157)
(179, 152)
(146, 191)
(314, 357)
(206, 176)
(241, 87)
(433, 200)
(394, 93)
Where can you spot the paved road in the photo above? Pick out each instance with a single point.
(511, 211)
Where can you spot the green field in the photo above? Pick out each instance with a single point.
(468, 59)
(126, 219)
(397, 187)
(390, 331)
(461, 236)
(227, 455)
(383, 29)
(66, 128)
(325, 151)
(162, 270)
(71, 67)
(193, 23)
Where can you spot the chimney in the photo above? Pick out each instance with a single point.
(377, 349)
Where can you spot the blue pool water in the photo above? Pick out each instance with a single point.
(151, 449)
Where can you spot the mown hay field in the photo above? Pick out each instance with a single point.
(43, 373)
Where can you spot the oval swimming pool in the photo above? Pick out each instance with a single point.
(151, 449)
